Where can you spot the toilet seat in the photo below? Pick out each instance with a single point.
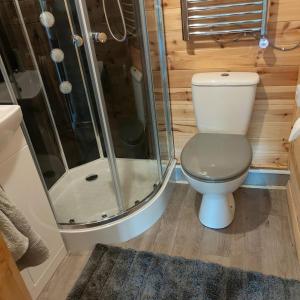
(212, 157)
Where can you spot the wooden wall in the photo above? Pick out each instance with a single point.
(274, 106)
(293, 188)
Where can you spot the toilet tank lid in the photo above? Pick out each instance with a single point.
(225, 78)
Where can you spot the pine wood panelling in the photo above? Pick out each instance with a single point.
(294, 185)
(294, 192)
(275, 104)
(293, 202)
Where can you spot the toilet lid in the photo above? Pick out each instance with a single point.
(216, 157)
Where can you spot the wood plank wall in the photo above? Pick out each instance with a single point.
(293, 188)
(274, 106)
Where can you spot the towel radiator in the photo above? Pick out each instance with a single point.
(202, 18)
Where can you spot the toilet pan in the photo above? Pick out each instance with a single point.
(216, 161)
(216, 165)
(217, 207)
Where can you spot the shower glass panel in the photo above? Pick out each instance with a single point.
(126, 92)
(65, 84)
(153, 11)
(82, 190)
(23, 75)
(96, 109)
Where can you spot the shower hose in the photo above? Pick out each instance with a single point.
(123, 38)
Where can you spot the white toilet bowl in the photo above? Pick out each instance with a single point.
(216, 160)
(216, 165)
(218, 206)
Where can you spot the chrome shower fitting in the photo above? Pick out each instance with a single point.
(100, 37)
(77, 40)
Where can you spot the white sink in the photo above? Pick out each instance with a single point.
(10, 120)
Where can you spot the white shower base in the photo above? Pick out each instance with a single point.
(75, 198)
(125, 228)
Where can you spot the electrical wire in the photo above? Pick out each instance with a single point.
(279, 48)
(284, 49)
(123, 38)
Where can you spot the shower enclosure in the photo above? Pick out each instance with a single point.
(95, 106)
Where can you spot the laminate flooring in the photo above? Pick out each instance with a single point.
(259, 239)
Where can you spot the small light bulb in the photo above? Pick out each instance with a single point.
(65, 87)
(57, 55)
(47, 19)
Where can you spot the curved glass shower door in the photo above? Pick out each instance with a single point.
(124, 80)
(104, 103)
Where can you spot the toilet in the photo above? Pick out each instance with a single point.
(216, 160)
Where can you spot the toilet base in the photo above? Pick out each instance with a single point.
(217, 210)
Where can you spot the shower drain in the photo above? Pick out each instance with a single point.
(91, 177)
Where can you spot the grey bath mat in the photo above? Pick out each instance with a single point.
(115, 273)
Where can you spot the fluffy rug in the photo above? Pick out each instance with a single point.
(115, 273)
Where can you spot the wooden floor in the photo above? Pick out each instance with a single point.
(259, 239)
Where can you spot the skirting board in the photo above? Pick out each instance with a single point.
(257, 178)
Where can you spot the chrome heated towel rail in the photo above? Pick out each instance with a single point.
(215, 17)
